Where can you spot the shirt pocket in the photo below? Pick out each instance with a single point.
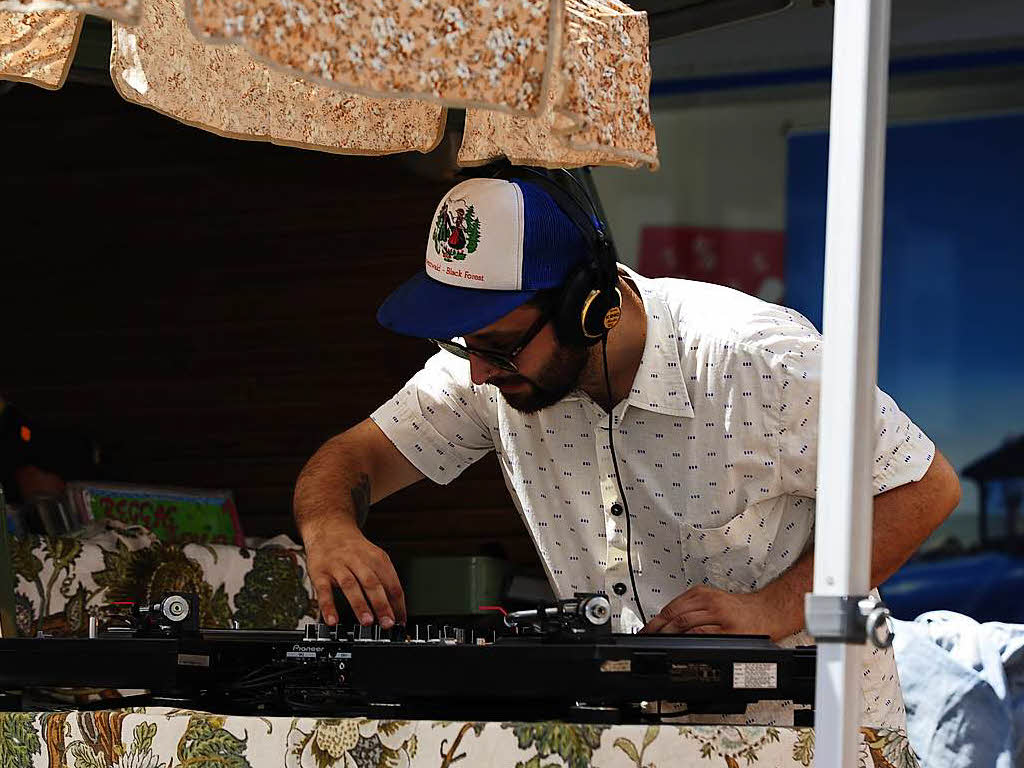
(733, 557)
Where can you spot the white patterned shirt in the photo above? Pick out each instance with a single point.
(716, 444)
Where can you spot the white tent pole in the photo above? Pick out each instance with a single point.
(860, 57)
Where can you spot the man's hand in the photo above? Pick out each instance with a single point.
(711, 611)
(333, 495)
(903, 518)
(338, 553)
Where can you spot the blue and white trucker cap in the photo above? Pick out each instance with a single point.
(493, 244)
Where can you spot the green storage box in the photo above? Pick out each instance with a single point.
(452, 586)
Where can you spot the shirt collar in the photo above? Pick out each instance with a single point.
(658, 386)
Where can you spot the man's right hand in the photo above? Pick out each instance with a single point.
(333, 495)
(338, 553)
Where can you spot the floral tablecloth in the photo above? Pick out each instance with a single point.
(158, 737)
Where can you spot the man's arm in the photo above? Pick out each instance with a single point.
(903, 518)
(335, 489)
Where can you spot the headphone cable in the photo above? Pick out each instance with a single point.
(618, 479)
(605, 260)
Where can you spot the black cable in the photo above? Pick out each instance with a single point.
(618, 479)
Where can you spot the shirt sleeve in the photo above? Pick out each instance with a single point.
(438, 420)
(902, 452)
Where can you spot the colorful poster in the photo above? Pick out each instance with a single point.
(175, 515)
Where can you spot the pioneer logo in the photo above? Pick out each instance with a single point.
(300, 651)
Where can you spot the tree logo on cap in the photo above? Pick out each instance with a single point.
(456, 237)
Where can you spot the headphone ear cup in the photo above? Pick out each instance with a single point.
(586, 313)
(601, 312)
(568, 319)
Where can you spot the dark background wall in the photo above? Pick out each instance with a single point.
(204, 307)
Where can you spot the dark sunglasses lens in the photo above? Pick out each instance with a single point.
(460, 351)
(450, 346)
(501, 362)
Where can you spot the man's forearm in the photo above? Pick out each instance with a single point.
(902, 519)
(332, 497)
(335, 483)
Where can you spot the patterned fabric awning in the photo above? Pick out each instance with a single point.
(222, 88)
(37, 47)
(547, 82)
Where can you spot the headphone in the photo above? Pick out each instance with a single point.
(591, 303)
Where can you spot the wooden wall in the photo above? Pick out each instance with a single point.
(204, 307)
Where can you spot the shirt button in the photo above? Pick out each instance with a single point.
(619, 588)
(616, 509)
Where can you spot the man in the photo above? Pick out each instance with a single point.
(713, 398)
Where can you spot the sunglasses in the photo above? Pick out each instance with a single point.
(502, 360)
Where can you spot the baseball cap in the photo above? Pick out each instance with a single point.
(493, 244)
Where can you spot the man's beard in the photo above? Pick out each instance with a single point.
(558, 378)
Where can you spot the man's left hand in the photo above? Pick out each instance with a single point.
(711, 611)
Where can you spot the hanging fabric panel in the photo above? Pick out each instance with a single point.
(221, 88)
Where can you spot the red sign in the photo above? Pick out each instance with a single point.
(750, 260)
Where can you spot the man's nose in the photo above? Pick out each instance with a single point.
(480, 370)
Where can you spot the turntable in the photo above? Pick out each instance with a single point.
(557, 661)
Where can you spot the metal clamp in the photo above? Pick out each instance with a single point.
(848, 619)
